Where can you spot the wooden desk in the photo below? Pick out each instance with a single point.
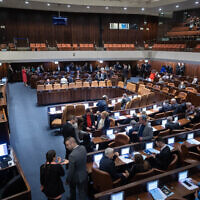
(4, 127)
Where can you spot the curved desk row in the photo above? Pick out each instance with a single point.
(78, 94)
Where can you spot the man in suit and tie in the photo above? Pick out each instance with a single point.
(171, 125)
(103, 104)
(145, 131)
(164, 158)
(77, 174)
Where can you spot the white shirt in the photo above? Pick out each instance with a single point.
(101, 123)
(63, 80)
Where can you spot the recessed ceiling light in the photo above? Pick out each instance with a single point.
(1, 1)
(106, 7)
(26, 2)
(162, 13)
(160, 9)
(88, 7)
(196, 2)
(177, 6)
(69, 6)
(142, 9)
(125, 8)
(48, 4)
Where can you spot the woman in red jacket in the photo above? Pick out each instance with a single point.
(24, 76)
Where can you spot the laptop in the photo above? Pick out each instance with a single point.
(170, 142)
(113, 101)
(117, 196)
(155, 191)
(144, 109)
(125, 151)
(128, 128)
(191, 140)
(119, 100)
(117, 115)
(97, 158)
(164, 122)
(185, 181)
(132, 112)
(95, 104)
(175, 119)
(149, 148)
(52, 110)
(63, 108)
(110, 134)
(86, 105)
(154, 107)
(125, 155)
(4, 157)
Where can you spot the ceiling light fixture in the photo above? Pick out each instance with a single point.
(177, 6)
(26, 2)
(1, 1)
(88, 7)
(160, 9)
(196, 2)
(142, 9)
(48, 4)
(125, 8)
(106, 7)
(69, 6)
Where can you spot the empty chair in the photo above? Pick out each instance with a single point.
(173, 163)
(171, 84)
(56, 86)
(128, 105)
(117, 106)
(80, 109)
(40, 87)
(95, 84)
(72, 85)
(86, 84)
(64, 86)
(120, 84)
(165, 89)
(120, 139)
(102, 84)
(143, 175)
(109, 83)
(182, 96)
(79, 84)
(100, 177)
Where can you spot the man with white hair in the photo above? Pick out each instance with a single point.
(107, 164)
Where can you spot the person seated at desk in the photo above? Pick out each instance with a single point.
(50, 176)
(134, 129)
(164, 158)
(88, 120)
(63, 80)
(195, 80)
(107, 164)
(70, 79)
(139, 165)
(89, 78)
(166, 106)
(125, 99)
(190, 109)
(181, 85)
(196, 116)
(48, 82)
(160, 80)
(103, 122)
(98, 76)
(170, 124)
(174, 104)
(181, 108)
(103, 104)
(145, 131)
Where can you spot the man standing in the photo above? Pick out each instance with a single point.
(77, 174)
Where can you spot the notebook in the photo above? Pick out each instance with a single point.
(157, 194)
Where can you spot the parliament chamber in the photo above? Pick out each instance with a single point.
(99, 100)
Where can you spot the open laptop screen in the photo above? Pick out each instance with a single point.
(3, 150)
(149, 145)
(182, 175)
(117, 196)
(152, 185)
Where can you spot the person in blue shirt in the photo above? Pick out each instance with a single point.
(163, 69)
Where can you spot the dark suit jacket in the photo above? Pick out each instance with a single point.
(106, 123)
(102, 105)
(124, 101)
(180, 108)
(163, 159)
(85, 121)
(77, 172)
(108, 165)
(172, 125)
(165, 108)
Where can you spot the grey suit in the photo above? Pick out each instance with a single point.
(147, 133)
(77, 174)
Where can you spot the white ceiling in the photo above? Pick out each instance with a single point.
(151, 7)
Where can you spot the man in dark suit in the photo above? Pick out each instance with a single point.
(107, 164)
(171, 125)
(102, 104)
(77, 173)
(88, 120)
(134, 129)
(164, 158)
(166, 106)
(125, 99)
(174, 104)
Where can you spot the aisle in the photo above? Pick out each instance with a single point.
(30, 135)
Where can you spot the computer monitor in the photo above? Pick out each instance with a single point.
(182, 175)
(86, 105)
(144, 109)
(171, 140)
(119, 100)
(149, 145)
(117, 196)
(152, 185)
(154, 106)
(128, 128)
(95, 104)
(3, 150)
(52, 110)
(125, 151)
(97, 157)
(132, 112)
(175, 119)
(164, 122)
(117, 114)
(109, 132)
(190, 136)
(113, 101)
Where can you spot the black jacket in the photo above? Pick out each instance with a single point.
(172, 125)
(163, 159)
(108, 165)
(50, 178)
(102, 105)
